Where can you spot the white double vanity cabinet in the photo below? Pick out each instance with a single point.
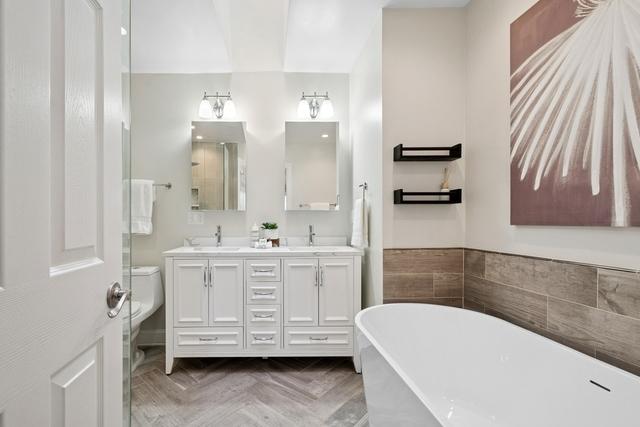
(244, 302)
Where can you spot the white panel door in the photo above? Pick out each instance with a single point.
(191, 292)
(301, 292)
(336, 292)
(60, 212)
(226, 294)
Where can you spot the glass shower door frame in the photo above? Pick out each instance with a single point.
(127, 351)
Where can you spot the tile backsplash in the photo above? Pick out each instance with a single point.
(593, 309)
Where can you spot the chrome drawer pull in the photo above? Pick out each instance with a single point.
(262, 270)
(208, 339)
(263, 339)
(263, 316)
(263, 293)
(319, 339)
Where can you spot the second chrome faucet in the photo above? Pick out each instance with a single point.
(218, 235)
(312, 236)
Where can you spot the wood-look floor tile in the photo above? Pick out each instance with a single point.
(619, 292)
(517, 303)
(247, 392)
(604, 330)
(474, 262)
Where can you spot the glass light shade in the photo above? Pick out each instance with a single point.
(205, 111)
(303, 109)
(230, 109)
(326, 110)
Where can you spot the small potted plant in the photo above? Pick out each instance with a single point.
(271, 232)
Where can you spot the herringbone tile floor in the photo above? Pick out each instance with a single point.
(301, 392)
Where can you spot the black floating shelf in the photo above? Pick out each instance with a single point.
(401, 197)
(421, 154)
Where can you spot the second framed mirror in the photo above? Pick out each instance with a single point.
(311, 166)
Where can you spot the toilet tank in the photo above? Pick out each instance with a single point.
(146, 285)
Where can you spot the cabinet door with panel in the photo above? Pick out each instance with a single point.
(190, 292)
(335, 306)
(226, 292)
(301, 292)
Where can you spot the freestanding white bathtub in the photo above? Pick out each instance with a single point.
(427, 365)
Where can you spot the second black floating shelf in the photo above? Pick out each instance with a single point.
(401, 197)
(437, 154)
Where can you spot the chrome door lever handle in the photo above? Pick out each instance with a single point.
(116, 297)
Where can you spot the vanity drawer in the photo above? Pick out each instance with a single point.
(264, 339)
(264, 293)
(263, 315)
(263, 270)
(318, 340)
(196, 341)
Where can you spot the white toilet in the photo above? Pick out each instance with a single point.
(147, 297)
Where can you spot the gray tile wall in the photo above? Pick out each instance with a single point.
(592, 309)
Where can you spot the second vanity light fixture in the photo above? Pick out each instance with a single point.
(222, 105)
(315, 106)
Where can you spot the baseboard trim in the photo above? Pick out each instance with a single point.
(151, 337)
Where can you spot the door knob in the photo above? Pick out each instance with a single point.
(116, 297)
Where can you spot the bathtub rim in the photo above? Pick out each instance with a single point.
(416, 390)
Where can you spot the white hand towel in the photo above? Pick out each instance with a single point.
(142, 197)
(360, 236)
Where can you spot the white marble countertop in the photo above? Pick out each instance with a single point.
(239, 251)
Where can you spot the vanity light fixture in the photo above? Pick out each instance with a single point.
(324, 135)
(315, 106)
(223, 104)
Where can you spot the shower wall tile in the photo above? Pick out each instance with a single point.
(474, 262)
(451, 302)
(423, 261)
(617, 335)
(413, 285)
(447, 285)
(619, 292)
(432, 276)
(527, 307)
(573, 282)
(593, 310)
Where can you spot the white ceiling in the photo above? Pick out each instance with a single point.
(218, 36)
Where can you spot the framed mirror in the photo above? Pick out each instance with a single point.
(311, 166)
(218, 166)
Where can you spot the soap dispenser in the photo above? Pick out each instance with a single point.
(255, 234)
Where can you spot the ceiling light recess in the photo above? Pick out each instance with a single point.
(315, 106)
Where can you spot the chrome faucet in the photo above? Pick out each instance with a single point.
(312, 235)
(218, 235)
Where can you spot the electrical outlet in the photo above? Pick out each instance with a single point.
(195, 218)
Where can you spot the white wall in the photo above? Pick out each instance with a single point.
(163, 106)
(423, 81)
(487, 157)
(366, 140)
